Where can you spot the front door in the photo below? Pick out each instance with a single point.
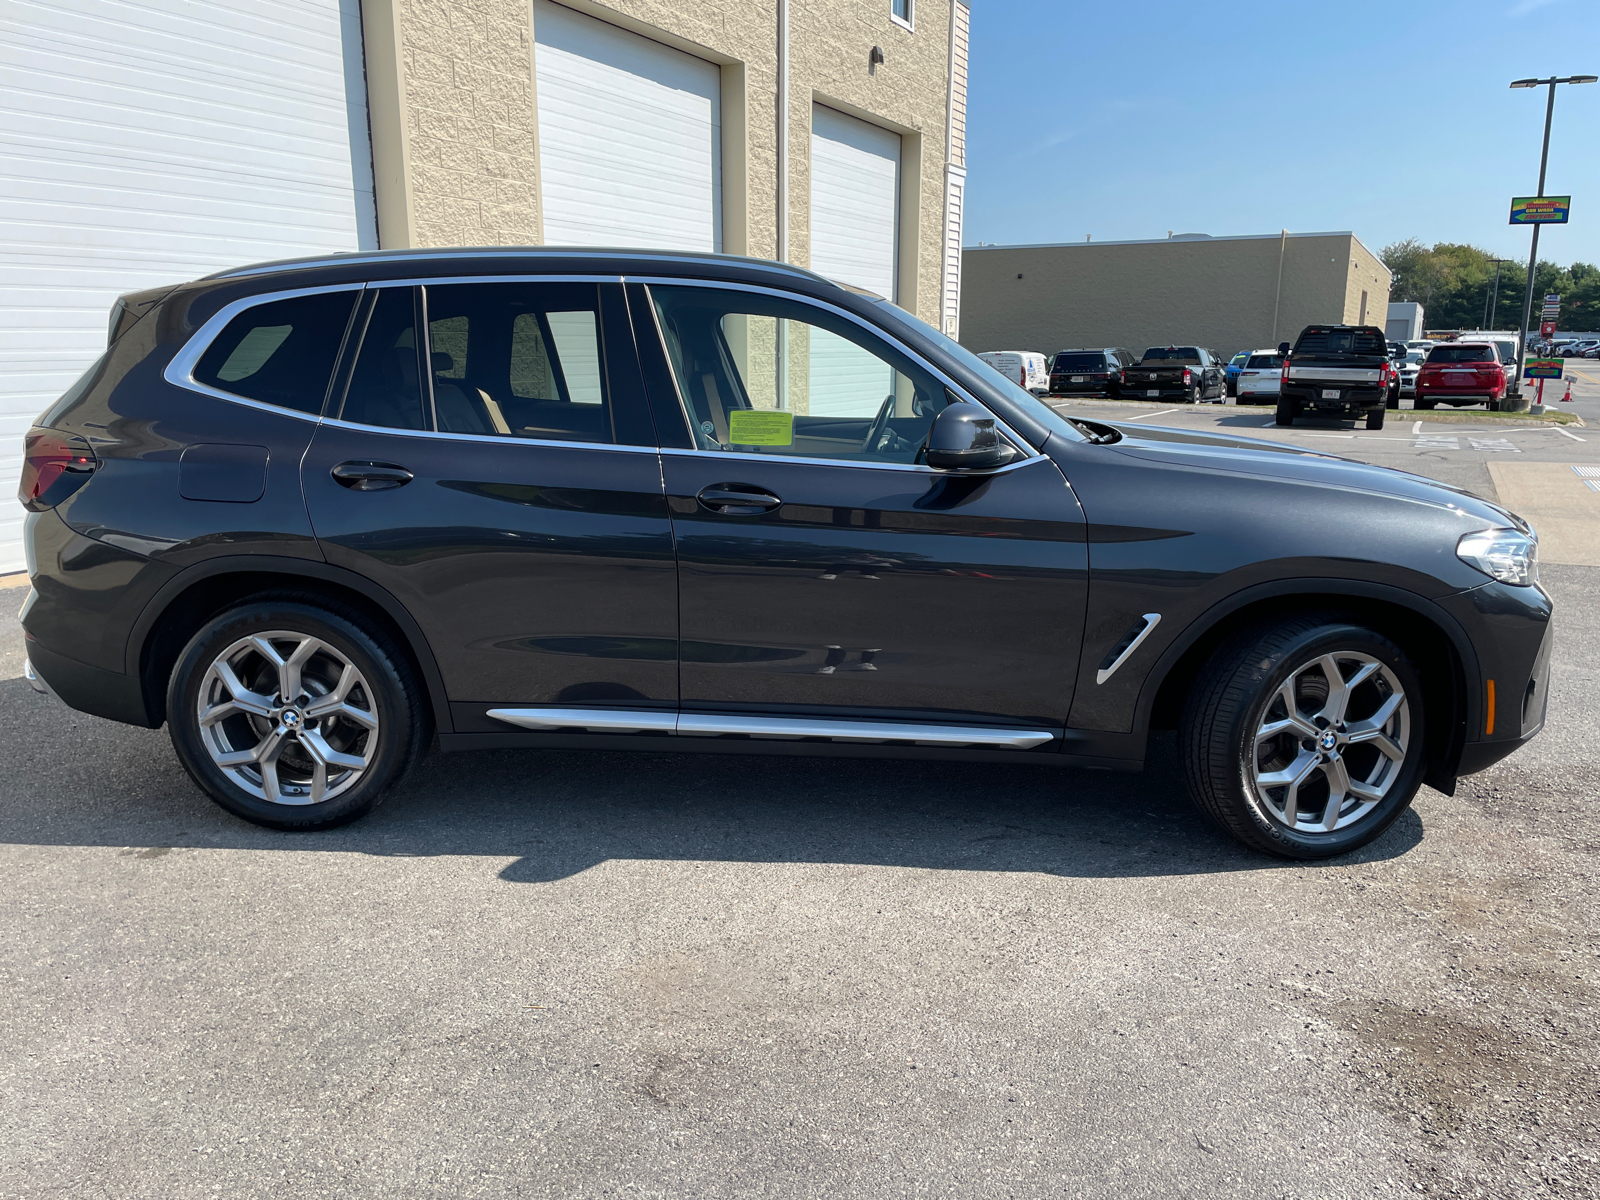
(491, 462)
(822, 570)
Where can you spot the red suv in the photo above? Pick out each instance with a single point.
(1462, 373)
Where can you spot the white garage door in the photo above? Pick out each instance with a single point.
(855, 214)
(153, 142)
(630, 137)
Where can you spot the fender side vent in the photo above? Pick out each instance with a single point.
(1119, 653)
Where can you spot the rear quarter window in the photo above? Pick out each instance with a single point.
(280, 353)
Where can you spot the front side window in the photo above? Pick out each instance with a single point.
(280, 353)
(764, 375)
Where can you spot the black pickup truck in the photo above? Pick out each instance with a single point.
(1187, 373)
(1342, 369)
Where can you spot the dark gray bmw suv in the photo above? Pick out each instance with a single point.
(322, 516)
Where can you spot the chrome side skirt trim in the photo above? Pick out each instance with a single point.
(1151, 620)
(591, 720)
(614, 720)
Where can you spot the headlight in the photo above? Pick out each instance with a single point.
(1504, 554)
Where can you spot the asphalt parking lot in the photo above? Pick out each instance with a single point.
(589, 975)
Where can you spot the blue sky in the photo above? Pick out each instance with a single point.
(1390, 119)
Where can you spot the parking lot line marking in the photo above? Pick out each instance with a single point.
(1573, 436)
(1417, 428)
(1493, 445)
(1269, 424)
(1162, 413)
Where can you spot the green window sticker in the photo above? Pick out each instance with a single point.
(760, 427)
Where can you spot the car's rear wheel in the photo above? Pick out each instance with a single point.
(1393, 400)
(292, 714)
(1195, 395)
(1375, 418)
(1423, 404)
(1305, 740)
(1288, 410)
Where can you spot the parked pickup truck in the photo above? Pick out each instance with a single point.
(1342, 369)
(1187, 373)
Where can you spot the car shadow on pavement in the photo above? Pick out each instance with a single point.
(69, 779)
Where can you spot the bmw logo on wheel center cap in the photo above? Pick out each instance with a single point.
(291, 718)
(1329, 739)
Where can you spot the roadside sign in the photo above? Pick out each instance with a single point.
(1552, 306)
(1540, 210)
(1547, 329)
(1542, 368)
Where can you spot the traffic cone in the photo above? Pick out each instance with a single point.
(1567, 399)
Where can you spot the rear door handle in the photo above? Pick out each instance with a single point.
(737, 499)
(371, 476)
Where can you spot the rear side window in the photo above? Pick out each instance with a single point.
(281, 353)
(1342, 341)
(520, 360)
(1462, 354)
(1080, 362)
(1265, 362)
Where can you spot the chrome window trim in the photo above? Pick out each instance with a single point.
(1030, 454)
(451, 280)
(855, 463)
(681, 724)
(179, 370)
(479, 438)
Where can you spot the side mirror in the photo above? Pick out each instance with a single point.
(963, 438)
(1283, 347)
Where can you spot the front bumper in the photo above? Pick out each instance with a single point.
(1512, 631)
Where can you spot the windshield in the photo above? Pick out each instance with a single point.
(1079, 362)
(1171, 353)
(1462, 354)
(1012, 393)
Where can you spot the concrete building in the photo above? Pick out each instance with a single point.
(159, 142)
(1404, 322)
(1225, 293)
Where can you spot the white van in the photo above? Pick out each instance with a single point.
(1025, 367)
(1507, 342)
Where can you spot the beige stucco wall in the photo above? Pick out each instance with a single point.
(1222, 293)
(453, 95)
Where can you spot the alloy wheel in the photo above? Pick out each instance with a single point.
(287, 717)
(1330, 743)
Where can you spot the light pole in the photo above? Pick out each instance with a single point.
(1492, 306)
(1544, 159)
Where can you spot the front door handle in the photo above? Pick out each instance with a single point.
(737, 499)
(371, 476)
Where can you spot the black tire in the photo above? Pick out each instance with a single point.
(1375, 418)
(1425, 405)
(1238, 690)
(1195, 394)
(1393, 400)
(1288, 410)
(383, 690)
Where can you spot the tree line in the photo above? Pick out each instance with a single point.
(1455, 284)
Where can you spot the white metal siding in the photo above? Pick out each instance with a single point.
(855, 209)
(955, 169)
(630, 137)
(954, 202)
(153, 142)
(855, 201)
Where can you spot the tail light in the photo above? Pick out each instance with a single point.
(1186, 377)
(54, 465)
(1284, 378)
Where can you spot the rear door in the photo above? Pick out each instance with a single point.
(490, 461)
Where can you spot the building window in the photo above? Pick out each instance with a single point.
(900, 11)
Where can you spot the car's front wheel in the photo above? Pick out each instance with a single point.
(1305, 740)
(294, 714)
